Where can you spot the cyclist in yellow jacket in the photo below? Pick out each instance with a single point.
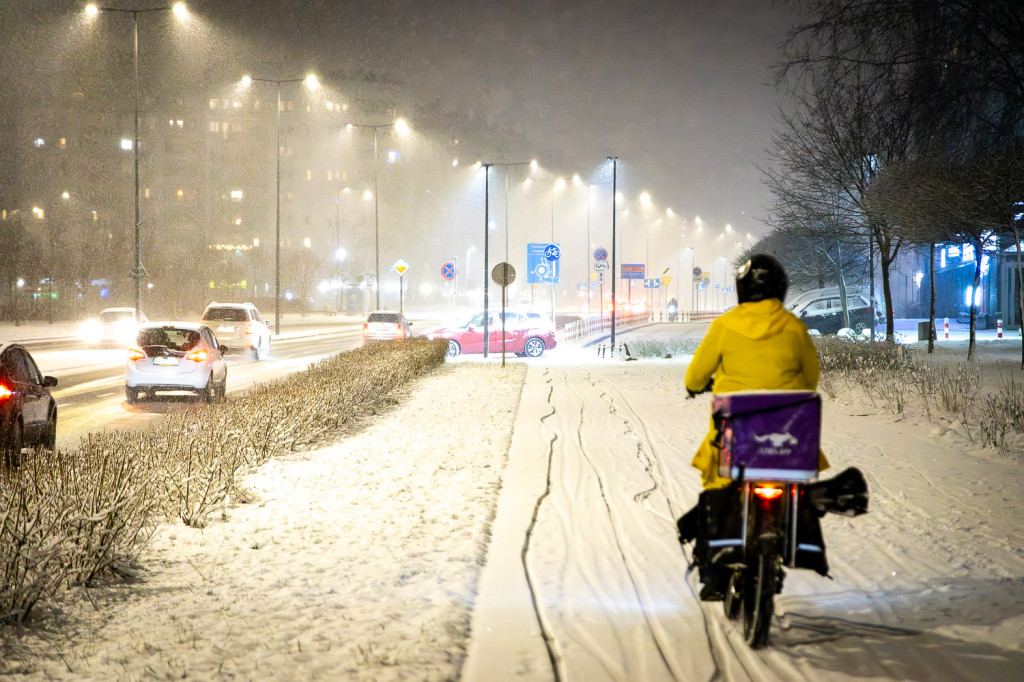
(756, 345)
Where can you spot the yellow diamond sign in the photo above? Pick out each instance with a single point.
(400, 266)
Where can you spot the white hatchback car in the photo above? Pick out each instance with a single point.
(239, 326)
(173, 357)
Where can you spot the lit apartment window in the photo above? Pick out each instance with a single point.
(181, 193)
(39, 142)
(145, 192)
(126, 144)
(309, 174)
(214, 126)
(180, 123)
(213, 104)
(63, 143)
(236, 194)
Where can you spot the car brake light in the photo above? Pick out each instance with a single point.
(251, 328)
(135, 354)
(198, 356)
(766, 492)
(365, 327)
(5, 392)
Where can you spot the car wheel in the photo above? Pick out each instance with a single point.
(210, 392)
(50, 436)
(222, 391)
(453, 348)
(131, 395)
(10, 449)
(534, 347)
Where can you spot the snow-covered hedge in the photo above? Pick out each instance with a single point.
(897, 379)
(70, 517)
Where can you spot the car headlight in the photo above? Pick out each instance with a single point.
(91, 330)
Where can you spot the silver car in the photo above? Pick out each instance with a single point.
(175, 357)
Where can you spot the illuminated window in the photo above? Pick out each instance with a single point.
(214, 126)
(213, 104)
(309, 174)
(39, 142)
(236, 194)
(126, 144)
(63, 143)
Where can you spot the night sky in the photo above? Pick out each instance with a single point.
(678, 89)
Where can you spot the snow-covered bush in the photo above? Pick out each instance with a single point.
(68, 518)
(655, 347)
(894, 378)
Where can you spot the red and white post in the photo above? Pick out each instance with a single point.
(945, 327)
(999, 329)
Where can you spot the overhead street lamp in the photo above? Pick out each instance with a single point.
(402, 128)
(179, 10)
(311, 83)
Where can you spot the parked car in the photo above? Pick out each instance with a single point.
(28, 413)
(822, 309)
(175, 357)
(113, 326)
(524, 336)
(240, 327)
(385, 325)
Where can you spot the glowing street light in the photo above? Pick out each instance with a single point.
(179, 10)
(312, 84)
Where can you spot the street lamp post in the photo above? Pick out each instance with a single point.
(402, 127)
(138, 271)
(311, 83)
(615, 180)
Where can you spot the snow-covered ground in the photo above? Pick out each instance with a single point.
(483, 514)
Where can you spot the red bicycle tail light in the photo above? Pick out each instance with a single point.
(766, 492)
(135, 354)
(5, 392)
(198, 356)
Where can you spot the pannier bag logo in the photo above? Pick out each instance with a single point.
(778, 441)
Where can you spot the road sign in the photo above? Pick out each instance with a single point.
(697, 271)
(552, 252)
(665, 280)
(600, 254)
(582, 286)
(600, 265)
(651, 283)
(400, 267)
(503, 274)
(540, 270)
(632, 271)
(448, 270)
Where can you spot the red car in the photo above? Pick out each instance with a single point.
(524, 336)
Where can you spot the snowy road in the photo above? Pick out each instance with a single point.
(928, 586)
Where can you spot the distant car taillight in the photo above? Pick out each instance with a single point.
(5, 392)
(135, 354)
(365, 328)
(198, 356)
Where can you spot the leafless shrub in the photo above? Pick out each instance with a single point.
(894, 379)
(649, 347)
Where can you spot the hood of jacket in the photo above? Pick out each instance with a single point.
(757, 320)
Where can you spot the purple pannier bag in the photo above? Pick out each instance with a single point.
(776, 434)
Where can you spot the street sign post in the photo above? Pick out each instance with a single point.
(400, 267)
(503, 274)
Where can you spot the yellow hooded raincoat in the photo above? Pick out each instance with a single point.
(758, 345)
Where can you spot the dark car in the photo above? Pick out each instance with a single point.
(28, 413)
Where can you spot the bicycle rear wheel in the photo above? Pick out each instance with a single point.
(760, 585)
